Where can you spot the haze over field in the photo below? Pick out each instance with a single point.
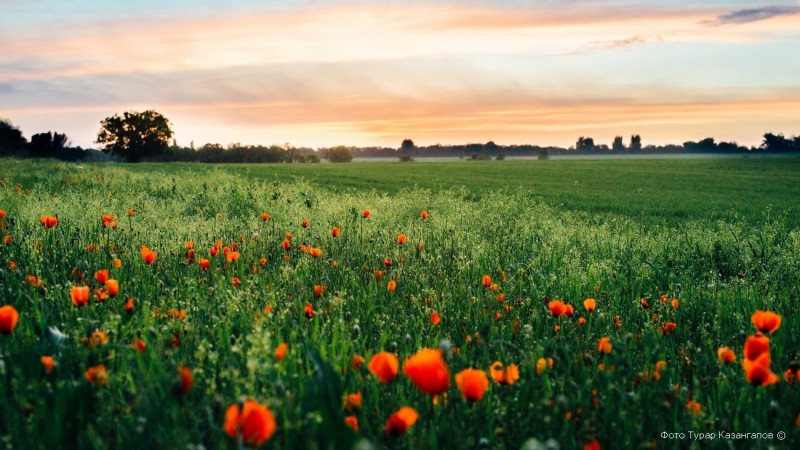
(374, 73)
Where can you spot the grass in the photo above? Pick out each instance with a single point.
(720, 271)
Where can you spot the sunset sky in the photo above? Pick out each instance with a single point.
(315, 73)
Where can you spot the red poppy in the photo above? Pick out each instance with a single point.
(319, 290)
(401, 238)
(568, 310)
(424, 214)
(286, 245)
(139, 345)
(387, 262)
(365, 214)
(253, 422)
(391, 286)
(383, 365)
(97, 375)
(8, 319)
(335, 231)
(280, 351)
(8, 239)
(305, 223)
(487, 280)
(427, 371)
(264, 217)
(49, 221)
(726, 355)
(236, 282)
(79, 295)
(129, 305)
(204, 264)
(401, 421)
(668, 327)
(352, 422)
(186, 380)
(315, 252)
(590, 304)
(674, 303)
(435, 319)
(557, 308)
(758, 372)
(309, 310)
(604, 345)
(113, 287)
(766, 321)
(357, 361)
(47, 361)
(542, 364)
(352, 401)
(148, 255)
(472, 383)
(755, 346)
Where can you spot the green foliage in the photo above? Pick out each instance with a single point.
(720, 271)
(340, 154)
(135, 136)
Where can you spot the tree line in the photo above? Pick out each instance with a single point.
(145, 136)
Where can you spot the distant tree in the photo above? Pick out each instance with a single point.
(48, 145)
(776, 143)
(135, 136)
(617, 145)
(491, 147)
(636, 143)
(407, 146)
(339, 154)
(542, 154)
(12, 142)
(585, 144)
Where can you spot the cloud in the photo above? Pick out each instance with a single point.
(754, 14)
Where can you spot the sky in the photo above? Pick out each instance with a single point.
(372, 73)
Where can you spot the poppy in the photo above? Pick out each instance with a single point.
(97, 375)
(401, 238)
(427, 371)
(616, 322)
(131, 212)
(726, 355)
(352, 422)
(357, 361)
(378, 274)
(668, 327)
(675, 303)
(569, 310)
(604, 345)
(758, 372)
(487, 280)
(113, 287)
(494, 287)
(365, 214)
(213, 251)
(264, 217)
(252, 421)
(79, 295)
(590, 304)
(148, 255)
(280, 351)
(8, 319)
(472, 383)
(644, 303)
(107, 220)
(309, 310)
(542, 364)
(305, 223)
(557, 308)
(391, 286)
(129, 305)
(8, 240)
(2, 214)
(232, 256)
(33, 280)
(387, 262)
(352, 401)
(116, 262)
(335, 231)
(591, 445)
(424, 214)
(186, 380)
(319, 290)
(383, 365)
(315, 252)
(766, 321)
(139, 345)
(204, 264)
(435, 319)
(755, 346)
(401, 421)
(792, 374)
(48, 221)
(47, 361)
(236, 282)
(693, 407)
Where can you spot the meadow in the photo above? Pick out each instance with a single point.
(595, 304)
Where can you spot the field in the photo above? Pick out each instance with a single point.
(677, 256)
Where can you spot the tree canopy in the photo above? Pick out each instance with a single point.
(135, 136)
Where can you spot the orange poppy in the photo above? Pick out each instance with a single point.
(148, 255)
(236, 282)
(401, 421)
(8, 240)
(604, 345)
(472, 383)
(335, 231)
(264, 217)
(427, 371)
(668, 327)
(755, 346)
(280, 351)
(352, 422)
(424, 214)
(401, 238)
(792, 374)
(542, 364)
(204, 264)
(487, 280)
(504, 376)
(352, 401)
(557, 308)
(675, 303)
(435, 319)
(186, 380)
(48, 221)
(116, 262)
(309, 310)
(391, 286)
(726, 355)
(232, 256)
(766, 321)
(590, 304)
(113, 287)
(252, 421)
(47, 361)
(758, 372)
(319, 290)
(693, 407)
(139, 345)
(213, 251)
(2, 214)
(79, 295)
(568, 310)
(305, 223)
(591, 445)
(131, 212)
(97, 375)
(365, 214)
(644, 303)
(8, 319)
(357, 361)
(387, 262)
(129, 305)
(315, 252)
(383, 365)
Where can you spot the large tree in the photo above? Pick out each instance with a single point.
(12, 142)
(135, 135)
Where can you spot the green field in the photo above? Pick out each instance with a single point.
(718, 236)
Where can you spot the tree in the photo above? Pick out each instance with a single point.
(617, 145)
(407, 146)
(11, 140)
(776, 143)
(339, 154)
(585, 144)
(636, 143)
(48, 145)
(136, 135)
